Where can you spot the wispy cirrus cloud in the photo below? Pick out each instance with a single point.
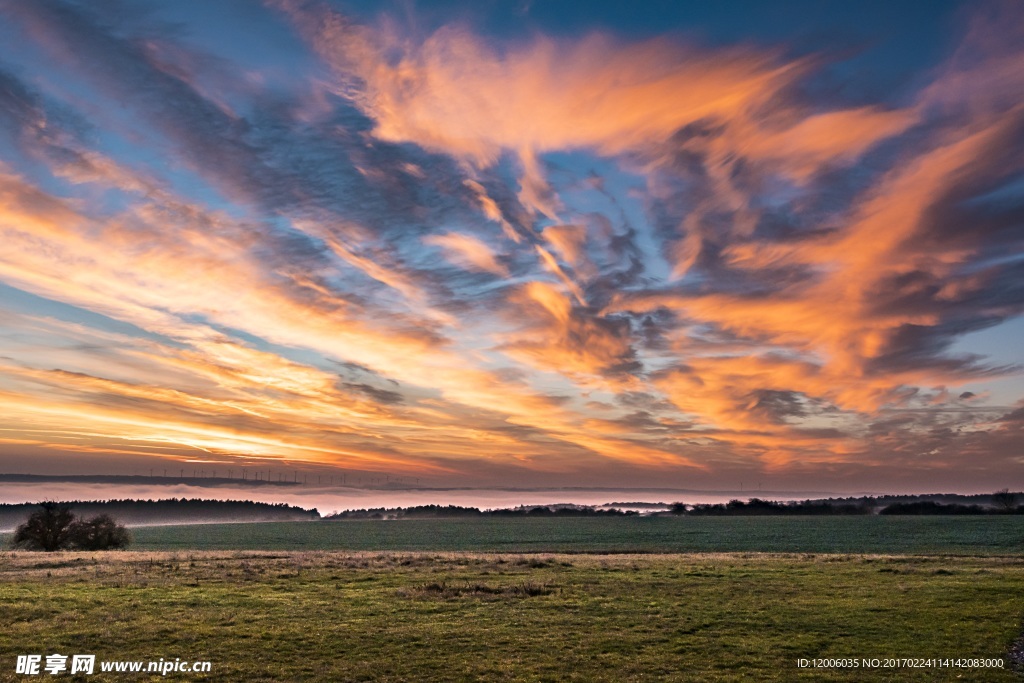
(468, 251)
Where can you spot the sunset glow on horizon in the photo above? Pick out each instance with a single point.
(515, 244)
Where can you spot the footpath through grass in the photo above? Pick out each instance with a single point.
(319, 616)
(988, 535)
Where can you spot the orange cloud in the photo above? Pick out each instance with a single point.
(831, 138)
(556, 337)
(153, 279)
(568, 241)
(455, 93)
(468, 252)
(829, 332)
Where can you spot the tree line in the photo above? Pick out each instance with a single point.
(1001, 502)
(436, 511)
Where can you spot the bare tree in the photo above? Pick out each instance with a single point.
(1004, 500)
(47, 529)
(53, 527)
(99, 533)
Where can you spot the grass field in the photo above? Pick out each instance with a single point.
(320, 616)
(629, 599)
(990, 535)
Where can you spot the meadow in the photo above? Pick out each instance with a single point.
(394, 616)
(533, 599)
(966, 535)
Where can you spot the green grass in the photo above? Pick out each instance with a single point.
(995, 535)
(317, 616)
(488, 600)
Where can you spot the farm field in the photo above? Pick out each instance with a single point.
(967, 535)
(396, 616)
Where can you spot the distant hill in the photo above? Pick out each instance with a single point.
(168, 511)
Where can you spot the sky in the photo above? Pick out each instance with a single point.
(531, 243)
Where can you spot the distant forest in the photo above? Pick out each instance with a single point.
(168, 511)
(200, 511)
(435, 511)
(1002, 502)
(864, 506)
